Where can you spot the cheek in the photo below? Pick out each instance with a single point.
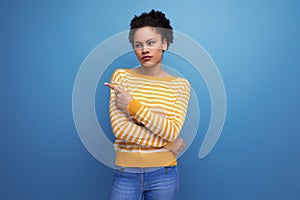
(137, 53)
(158, 53)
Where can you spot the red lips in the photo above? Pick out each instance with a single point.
(146, 58)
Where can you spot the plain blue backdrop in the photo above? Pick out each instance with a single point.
(255, 44)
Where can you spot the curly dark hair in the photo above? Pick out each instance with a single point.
(155, 19)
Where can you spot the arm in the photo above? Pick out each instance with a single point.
(125, 129)
(166, 128)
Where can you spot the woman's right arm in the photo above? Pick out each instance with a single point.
(125, 129)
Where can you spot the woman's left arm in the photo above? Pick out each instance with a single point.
(166, 128)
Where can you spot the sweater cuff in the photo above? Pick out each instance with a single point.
(134, 106)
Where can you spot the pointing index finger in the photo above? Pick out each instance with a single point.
(113, 86)
(109, 85)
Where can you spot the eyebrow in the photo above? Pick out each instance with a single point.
(150, 39)
(146, 40)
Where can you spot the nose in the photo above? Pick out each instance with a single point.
(145, 50)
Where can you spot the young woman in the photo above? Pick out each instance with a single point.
(147, 110)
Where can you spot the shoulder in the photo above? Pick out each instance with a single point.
(118, 73)
(183, 82)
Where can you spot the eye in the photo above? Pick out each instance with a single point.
(151, 43)
(137, 46)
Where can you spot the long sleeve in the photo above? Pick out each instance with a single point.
(153, 118)
(124, 128)
(166, 128)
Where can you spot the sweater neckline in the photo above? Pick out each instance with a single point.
(151, 77)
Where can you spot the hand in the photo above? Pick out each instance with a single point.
(122, 98)
(177, 146)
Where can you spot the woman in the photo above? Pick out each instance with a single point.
(147, 110)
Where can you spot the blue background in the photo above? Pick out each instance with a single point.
(255, 45)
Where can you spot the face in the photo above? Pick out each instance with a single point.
(148, 46)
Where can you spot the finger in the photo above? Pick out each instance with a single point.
(117, 89)
(113, 86)
(109, 85)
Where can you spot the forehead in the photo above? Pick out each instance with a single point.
(145, 33)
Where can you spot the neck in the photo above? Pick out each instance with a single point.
(150, 71)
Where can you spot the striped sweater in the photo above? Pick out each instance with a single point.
(153, 119)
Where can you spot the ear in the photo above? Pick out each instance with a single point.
(164, 44)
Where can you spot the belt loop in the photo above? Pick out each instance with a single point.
(167, 169)
(121, 171)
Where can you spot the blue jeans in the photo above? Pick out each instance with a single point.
(145, 183)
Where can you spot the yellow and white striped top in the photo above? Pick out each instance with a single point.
(153, 119)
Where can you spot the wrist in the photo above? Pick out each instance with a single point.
(133, 106)
(170, 146)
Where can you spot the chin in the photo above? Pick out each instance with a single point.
(148, 64)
